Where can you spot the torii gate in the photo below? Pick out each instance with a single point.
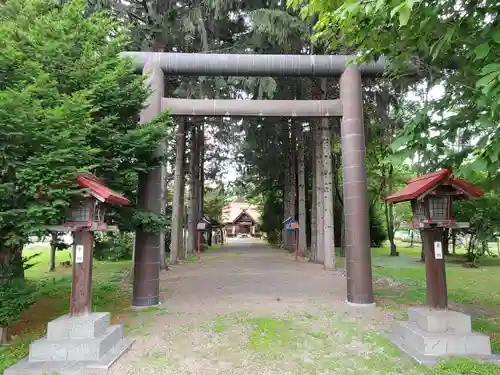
(350, 107)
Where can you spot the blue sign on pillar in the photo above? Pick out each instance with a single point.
(291, 224)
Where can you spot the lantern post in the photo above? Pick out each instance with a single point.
(291, 225)
(434, 331)
(203, 225)
(81, 285)
(431, 197)
(85, 216)
(81, 341)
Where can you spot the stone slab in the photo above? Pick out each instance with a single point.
(25, 367)
(90, 349)
(442, 343)
(431, 320)
(432, 360)
(78, 327)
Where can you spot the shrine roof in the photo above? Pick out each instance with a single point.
(99, 190)
(420, 185)
(232, 212)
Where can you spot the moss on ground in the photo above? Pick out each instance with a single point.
(309, 344)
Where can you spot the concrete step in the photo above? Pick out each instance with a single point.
(78, 327)
(441, 343)
(440, 320)
(84, 349)
(25, 367)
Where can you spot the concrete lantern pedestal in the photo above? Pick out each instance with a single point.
(430, 335)
(75, 345)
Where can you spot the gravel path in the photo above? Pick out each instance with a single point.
(248, 309)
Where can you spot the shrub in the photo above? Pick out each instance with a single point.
(113, 246)
(16, 296)
(378, 234)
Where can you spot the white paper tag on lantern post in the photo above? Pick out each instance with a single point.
(438, 250)
(79, 254)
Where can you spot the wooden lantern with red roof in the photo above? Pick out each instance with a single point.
(431, 196)
(85, 216)
(88, 210)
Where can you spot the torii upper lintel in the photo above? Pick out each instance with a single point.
(257, 65)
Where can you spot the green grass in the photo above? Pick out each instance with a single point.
(109, 293)
(41, 262)
(475, 291)
(303, 344)
(323, 344)
(215, 247)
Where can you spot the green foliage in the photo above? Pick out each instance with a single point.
(68, 104)
(113, 246)
(378, 235)
(272, 217)
(483, 215)
(455, 47)
(51, 294)
(464, 366)
(214, 201)
(278, 30)
(20, 295)
(16, 294)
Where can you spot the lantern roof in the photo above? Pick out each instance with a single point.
(425, 185)
(99, 190)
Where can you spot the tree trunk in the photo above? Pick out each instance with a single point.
(293, 182)
(193, 193)
(201, 170)
(422, 254)
(197, 181)
(301, 175)
(163, 258)
(327, 177)
(320, 253)
(328, 231)
(287, 184)
(484, 247)
(470, 256)
(454, 241)
(3, 335)
(314, 228)
(131, 276)
(390, 228)
(446, 241)
(183, 226)
(389, 214)
(53, 249)
(293, 171)
(338, 195)
(12, 257)
(177, 203)
(411, 237)
(342, 236)
(201, 182)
